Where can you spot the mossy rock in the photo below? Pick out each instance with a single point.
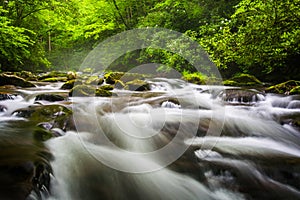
(55, 79)
(119, 84)
(137, 85)
(57, 115)
(103, 93)
(287, 87)
(68, 85)
(82, 91)
(107, 87)
(49, 97)
(14, 80)
(243, 80)
(295, 90)
(195, 78)
(29, 76)
(113, 77)
(94, 80)
(53, 74)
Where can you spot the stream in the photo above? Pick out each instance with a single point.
(176, 141)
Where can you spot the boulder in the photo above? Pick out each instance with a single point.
(82, 91)
(287, 87)
(49, 97)
(14, 80)
(137, 85)
(239, 96)
(243, 80)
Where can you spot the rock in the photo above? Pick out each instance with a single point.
(241, 96)
(285, 87)
(14, 80)
(137, 85)
(49, 97)
(7, 96)
(103, 93)
(94, 80)
(71, 75)
(57, 115)
(55, 79)
(69, 84)
(3, 108)
(107, 87)
(82, 91)
(113, 77)
(195, 78)
(53, 74)
(243, 80)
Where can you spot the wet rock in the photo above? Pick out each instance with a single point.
(2, 108)
(241, 96)
(137, 85)
(57, 115)
(7, 96)
(24, 168)
(113, 77)
(243, 80)
(103, 93)
(53, 74)
(287, 87)
(82, 91)
(14, 80)
(49, 97)
(94, 80)
(68, 85)
(55, 79)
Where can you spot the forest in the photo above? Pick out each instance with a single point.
(258, 37)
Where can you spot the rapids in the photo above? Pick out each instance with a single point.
(180, 141)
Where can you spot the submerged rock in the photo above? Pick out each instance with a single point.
(7, 96)
(14, 80)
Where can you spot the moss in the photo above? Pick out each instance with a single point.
(82, 91)
(107, 87)
(243, 80)
(103, 93)
(119, 84)
(285, 87)
(196, 78)
(295, 90)
(68, 85)
(92, 80)
(137, 85)
(53, 74)
(113, 77)
(55, 79)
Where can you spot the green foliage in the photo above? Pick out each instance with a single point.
(195, 77)
(262, 37)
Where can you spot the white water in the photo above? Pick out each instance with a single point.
(182, 142)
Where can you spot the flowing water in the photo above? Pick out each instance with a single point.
(177, 141)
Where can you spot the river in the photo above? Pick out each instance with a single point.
(177, 141)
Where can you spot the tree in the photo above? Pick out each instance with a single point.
(262, 37)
